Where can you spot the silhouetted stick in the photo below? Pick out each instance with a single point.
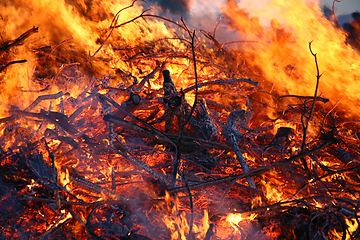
(115, 104)
(113, 179)
(333, 11)
(232, 135)
(210, 232)
(114, 21)
(216, 82)
(41, 90)
(11, 63)
(57, 119)
(19, 40)
(138, 162)
(44, 97)
(306, 125)
(155, 136)
(219, 82)
(61, 220)
(142, 15)
(52, 157)
(178, 155)
(52, 50)
(320, 99)
(254, 172)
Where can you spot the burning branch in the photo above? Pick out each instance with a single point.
(103, 172)
(113, 23)
(233, 135)
(19, 40)
(42, 98)
(334, 15)
(11, 63)
(178, 155)
(306, 124)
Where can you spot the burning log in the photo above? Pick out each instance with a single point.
(233, 135)
(174, 103)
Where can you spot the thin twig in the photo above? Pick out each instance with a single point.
(318, 76)
(137, 161)
(142, 15)
(58, 45)
(333, 12)
(113, 23)
(254, 172)
(19, 40)
(52, 157)
(215, 82)
(44, 97)
(11, 63)
(320, 99)
(178, 155)
(115, 104)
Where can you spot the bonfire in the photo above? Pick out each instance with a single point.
(120, 120)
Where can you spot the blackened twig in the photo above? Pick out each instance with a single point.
(113, 179)
(333, 12)
(52, 157)
(115, 104)
(210, 232)
(318, 76)
(225, 81)
(320, 99)
(11, 63)
(254, 172)
(58, 45)
(138, 162)
(178, 155)
(142, 15)
(61, 122)
(216, 82)
(60, 221)
(233, 135)
(44, 97)
(113, 23)
(19, 40)
(41, 90)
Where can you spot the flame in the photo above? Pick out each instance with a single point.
(352, 227)
(236, 218)
(64, 178)
(282, 52)
(86, 41)
(177, 222)
(79, 27)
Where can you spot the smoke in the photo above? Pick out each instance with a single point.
(180, 7)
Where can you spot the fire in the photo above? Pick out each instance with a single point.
(96, 154)
(236, 219)
(283, 56)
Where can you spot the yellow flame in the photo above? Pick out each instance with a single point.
(286, 46)
(64, 178)
(236, 218)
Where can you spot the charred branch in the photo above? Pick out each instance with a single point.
(11, 63)
(7, 45)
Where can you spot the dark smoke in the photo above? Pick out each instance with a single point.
(174, 6)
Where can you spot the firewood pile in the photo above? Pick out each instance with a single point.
(157, 155)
